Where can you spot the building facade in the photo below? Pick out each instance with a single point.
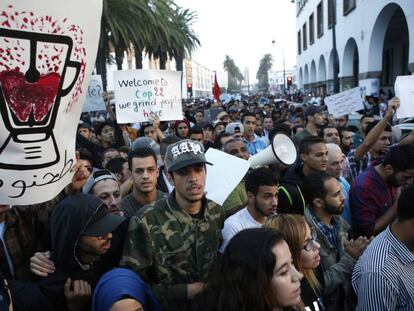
(374, 43)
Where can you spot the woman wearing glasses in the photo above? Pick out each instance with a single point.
(305, 254)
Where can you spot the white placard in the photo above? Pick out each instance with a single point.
(224, 175)
(50, 49)
(139, 94)
(404, 88)
(94, 100)
(345, 102)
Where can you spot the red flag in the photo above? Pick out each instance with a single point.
(216, 90)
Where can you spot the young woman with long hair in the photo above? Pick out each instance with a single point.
(305, 253)
(255, 273)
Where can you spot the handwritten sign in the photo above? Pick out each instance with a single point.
(345, 102)
(141, 94)
(404, 88)
(50, 48)
(219, 185)
(94, 100)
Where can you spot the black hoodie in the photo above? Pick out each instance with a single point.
(69, 220)
(290, 198)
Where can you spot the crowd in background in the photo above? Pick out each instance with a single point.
(135, 231)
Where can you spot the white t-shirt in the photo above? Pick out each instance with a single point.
(236, 223)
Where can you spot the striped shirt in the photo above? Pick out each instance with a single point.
(383, 277)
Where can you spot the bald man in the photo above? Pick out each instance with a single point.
(335, 168)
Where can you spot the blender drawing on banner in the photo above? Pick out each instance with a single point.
(30, 95)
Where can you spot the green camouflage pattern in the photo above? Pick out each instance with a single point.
(170, 249)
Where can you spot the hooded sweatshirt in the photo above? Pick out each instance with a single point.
(69, 220)
(291, 199)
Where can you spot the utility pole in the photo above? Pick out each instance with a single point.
(335, 56)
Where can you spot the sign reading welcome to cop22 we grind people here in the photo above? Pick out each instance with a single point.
(141, 94)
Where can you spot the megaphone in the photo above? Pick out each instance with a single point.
(282, 150)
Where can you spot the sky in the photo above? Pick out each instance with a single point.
(244, 30)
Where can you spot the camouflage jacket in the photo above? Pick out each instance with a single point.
(170, 249)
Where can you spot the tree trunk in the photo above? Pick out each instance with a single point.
(179, 62)
(138, 57)
(119, 57)
(101, 57)
(163, 61)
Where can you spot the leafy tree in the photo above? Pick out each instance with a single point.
(263, 72)
(234, 75)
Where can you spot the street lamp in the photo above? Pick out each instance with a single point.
(284, 72)
(335, 56)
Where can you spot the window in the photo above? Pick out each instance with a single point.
(349, 5)
(331, 13)
(305, 37)
(299, 44)
(311, 29)
(320, 19)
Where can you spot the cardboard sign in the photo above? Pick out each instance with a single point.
(48, 50)
(94, 100)
(224, 175)
(345, 102)
(141, 94)
(404, 88)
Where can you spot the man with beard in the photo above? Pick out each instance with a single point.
(104, 185)
(262, 190)
(374, 194)
(144, 172)
(314, 119)
(338, 255)
(173, 243)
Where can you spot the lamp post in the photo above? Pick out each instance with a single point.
(284, 71)
(335, 56)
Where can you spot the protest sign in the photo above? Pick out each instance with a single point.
(141, 94)
(94, 100)
(404, 88)
(48, 50)
(224, 175)
(345, 102)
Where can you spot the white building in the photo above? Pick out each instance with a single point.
(374, 42)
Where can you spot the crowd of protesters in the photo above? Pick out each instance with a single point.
(135, 231)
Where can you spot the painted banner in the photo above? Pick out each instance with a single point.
(48, 50)
(141, 94)
(94, 100)
(346, 102)
(404, 88)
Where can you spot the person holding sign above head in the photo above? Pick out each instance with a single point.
(152, 130)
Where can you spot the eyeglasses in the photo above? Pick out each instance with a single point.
(310, 244)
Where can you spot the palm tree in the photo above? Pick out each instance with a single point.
(118, 30)
(263, 72)
(234, 75)
(187, 40)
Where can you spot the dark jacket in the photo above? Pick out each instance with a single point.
(69, 220)
(27, 231)
(291, 199)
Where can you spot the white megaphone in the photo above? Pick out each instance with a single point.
(282, 150)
